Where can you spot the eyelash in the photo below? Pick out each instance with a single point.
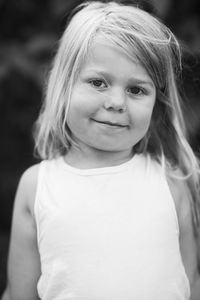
(92, 81)
(142, 91)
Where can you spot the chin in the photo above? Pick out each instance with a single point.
(109, 148)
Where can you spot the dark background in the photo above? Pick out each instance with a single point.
(29, 31)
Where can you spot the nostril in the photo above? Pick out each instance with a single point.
(122, 109)
(115, 103)
(119, 109)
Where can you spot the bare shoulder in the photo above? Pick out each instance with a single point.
(183, 198)
(180, 192)
(23, 259)
(27, 187)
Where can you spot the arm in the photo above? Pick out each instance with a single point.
(23, 259)
(188, 243)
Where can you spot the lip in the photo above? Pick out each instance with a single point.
(111, 124)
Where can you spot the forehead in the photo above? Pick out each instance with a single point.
(106, 56)
(107, 59)
(102, 46)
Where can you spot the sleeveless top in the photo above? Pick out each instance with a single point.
(108, 233)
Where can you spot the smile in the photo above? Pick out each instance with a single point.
(111, 124)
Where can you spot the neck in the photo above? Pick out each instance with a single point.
(83, 158)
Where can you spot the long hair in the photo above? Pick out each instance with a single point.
(138, 34)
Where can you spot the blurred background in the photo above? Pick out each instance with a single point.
(29, 32)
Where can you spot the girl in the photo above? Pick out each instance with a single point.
(112, 210)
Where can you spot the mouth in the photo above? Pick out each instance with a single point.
(111, 124)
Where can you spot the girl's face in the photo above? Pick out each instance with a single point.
(112, 101)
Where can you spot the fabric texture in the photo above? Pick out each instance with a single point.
(108, 233)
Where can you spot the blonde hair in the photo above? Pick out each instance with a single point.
(140, 35)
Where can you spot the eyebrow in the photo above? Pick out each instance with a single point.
(134, 79)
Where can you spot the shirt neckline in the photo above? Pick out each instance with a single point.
(100, 170)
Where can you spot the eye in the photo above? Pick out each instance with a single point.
(136, 90)
(97, 83)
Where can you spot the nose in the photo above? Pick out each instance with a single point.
(116, 101)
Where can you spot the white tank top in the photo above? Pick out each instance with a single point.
(108, 233)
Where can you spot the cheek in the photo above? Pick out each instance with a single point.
(80, 110)
(84, 104)
(140, 117)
